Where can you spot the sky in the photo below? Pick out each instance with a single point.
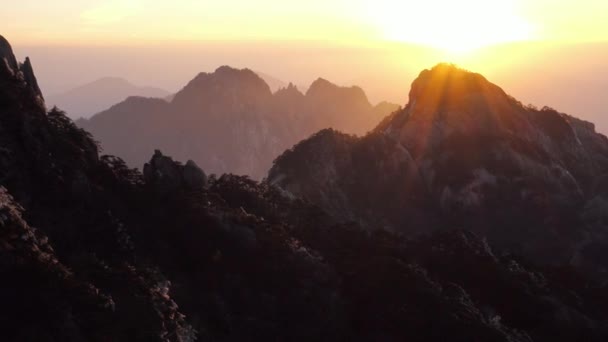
(544, 52)
(433, 22)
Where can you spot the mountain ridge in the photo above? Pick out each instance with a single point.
(230, 121)
(88, 99)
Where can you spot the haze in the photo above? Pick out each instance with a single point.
(544, 53)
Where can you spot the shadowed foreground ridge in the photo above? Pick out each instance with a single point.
(174, 255)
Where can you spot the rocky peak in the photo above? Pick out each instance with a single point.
(450, 107)
(459, 100)
(291, 91)
(8, 62)
(225, 91)
(167, 175)
(322, 89)
(22, 72)
(320, 84)
(30, 78)
(450, 82)
(330, 104)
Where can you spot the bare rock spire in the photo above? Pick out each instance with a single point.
(8, 62)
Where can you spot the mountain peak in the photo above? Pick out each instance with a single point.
(321, 83)
(323, 89)
(229, 69)
(29, 77)
(321, 86)
(240, 83)
(448, 87)
(228, 73)
(447, 99)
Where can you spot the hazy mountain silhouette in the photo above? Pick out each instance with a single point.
(174, 255)
(230, 121)
(464, 154)
(91, 98)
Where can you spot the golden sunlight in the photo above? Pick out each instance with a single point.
(456, 27)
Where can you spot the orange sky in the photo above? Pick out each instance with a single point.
(454, 25)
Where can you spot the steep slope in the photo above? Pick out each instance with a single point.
(86, 100)
(116, 252)
(464, 154)
(229, 121)
(73, 279)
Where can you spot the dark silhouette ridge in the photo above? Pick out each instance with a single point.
(173, 255)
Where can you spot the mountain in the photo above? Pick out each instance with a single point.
(91, 250)
(465, 155)
(229, 121)
(86, 100)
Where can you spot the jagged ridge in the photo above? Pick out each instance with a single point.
(229, 121)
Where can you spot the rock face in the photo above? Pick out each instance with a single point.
(463, 154)
(230, 121)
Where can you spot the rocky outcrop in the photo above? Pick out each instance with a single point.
(9, 68)
(168, 175)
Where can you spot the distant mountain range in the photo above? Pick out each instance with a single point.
(229, 121)
(91, 98)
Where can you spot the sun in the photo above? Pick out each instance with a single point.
(455, 27)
